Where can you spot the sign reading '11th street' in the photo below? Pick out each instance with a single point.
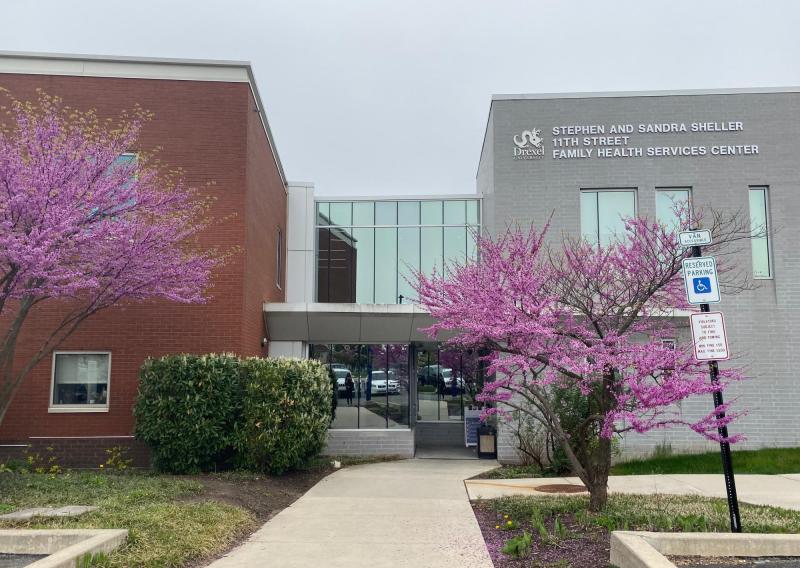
(700, 275)
(708, 336)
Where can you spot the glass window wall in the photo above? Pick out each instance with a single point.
(369, 251)
(372, 383)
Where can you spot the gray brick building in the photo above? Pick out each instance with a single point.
(735, 150)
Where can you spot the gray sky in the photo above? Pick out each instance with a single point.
(391, 96)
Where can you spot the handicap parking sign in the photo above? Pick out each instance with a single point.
(702, 285)
(700, 276)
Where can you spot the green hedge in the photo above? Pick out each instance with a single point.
(198, 413)
(188, 410)
(287, 411)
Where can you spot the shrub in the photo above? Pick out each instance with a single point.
(287, 411)
(187, 410)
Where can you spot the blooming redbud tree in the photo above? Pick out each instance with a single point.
(589, 318)
(86, 225)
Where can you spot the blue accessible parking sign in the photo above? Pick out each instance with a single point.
(702, 285)
(700, 275)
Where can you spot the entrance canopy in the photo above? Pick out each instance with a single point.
(346, 323)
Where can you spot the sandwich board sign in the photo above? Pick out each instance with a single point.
(700, 276)
(694, 238)
(708, 336)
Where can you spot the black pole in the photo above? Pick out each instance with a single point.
(724, 447)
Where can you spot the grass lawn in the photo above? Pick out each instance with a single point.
(562, 532)
(767, 461)
(167, 526)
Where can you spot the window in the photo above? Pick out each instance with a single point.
(369, 251)
(759, 232)
(603, 213)
(278, 257)
(669, 202)
(80, 381)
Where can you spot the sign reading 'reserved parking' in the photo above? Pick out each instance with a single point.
(700, 276)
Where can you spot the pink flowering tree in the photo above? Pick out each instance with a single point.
(587, 318)
(87, 226)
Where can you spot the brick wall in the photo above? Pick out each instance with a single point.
(209, 130)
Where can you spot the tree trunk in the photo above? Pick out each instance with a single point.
(598, 496)
(597, 471)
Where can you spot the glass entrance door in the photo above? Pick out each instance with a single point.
(447, 382)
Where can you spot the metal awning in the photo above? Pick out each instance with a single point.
(346, 323)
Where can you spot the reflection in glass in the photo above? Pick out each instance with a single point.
(386, 266)
(336, 260)
(408, 250)
(454, 213)
(408, 213)
(455, 245)
(356, 262)
(759, 229)
(447, 382)
(432, 242)
(364, 213)
(323, 213)
(365, 265)
(372, 386)
(386, 213)
(603, 214)
(431, 212)
(473, 216)
(342, 214)
(669, 202)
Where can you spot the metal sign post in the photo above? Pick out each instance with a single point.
(695, 239)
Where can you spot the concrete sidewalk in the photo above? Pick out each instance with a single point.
(776, 490)
(408, 513)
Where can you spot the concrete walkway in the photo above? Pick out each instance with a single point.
(776, 490)
(408, 513)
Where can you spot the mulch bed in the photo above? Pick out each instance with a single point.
(560, 488)
(581, 548)
(264, 496)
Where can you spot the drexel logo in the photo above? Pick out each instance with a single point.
(528, 145)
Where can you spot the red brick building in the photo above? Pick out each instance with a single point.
(209, 121)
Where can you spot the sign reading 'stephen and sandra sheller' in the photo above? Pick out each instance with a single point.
(588, 141)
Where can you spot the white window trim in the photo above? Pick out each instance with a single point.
(768, 220)
(279, 257)
(70, 408)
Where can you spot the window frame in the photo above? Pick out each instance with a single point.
(768, 231)
(69, 408)
(279, 257)
(597, 191)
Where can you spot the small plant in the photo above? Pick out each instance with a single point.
(89, 560)
(559, 529)
(38, 463)
(544, 534)
(116, 459)
(507, 524)
(518, 546)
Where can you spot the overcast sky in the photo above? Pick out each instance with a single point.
(391, 97)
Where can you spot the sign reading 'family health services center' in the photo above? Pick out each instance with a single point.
(708, 336)
(700, 275)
